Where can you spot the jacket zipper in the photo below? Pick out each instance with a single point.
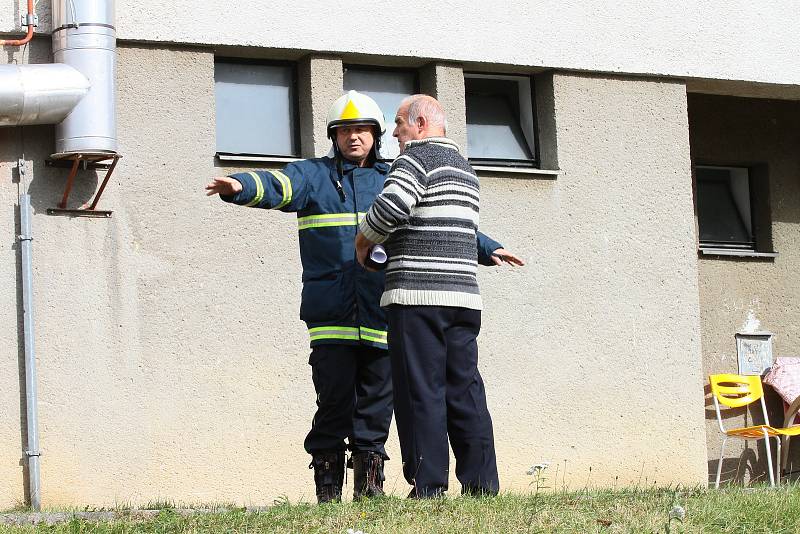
(355, 214)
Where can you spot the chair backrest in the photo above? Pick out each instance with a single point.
(736, 391)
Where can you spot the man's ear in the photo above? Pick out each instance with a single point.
(422, 123)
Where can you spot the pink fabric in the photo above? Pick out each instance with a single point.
(784, 377)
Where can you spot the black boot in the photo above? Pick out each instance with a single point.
(367, 474)
(328, 475)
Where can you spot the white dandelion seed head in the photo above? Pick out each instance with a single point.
(677, 512)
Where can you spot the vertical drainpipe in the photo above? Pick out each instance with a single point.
(32, 423)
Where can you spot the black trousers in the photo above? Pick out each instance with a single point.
(354, 399)
(438, 392)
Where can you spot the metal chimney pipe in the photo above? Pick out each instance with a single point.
(84, 37)
(39, 94)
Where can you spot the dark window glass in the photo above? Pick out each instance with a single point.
(499, 118)
(724, 207)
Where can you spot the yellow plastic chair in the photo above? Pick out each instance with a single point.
(736, 391)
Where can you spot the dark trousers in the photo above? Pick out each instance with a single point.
(354, 399)
(438, 392)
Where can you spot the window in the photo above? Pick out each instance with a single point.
(388, 88)
(255, 108)
(500, 119)
(732, 208)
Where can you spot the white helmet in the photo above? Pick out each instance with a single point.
(355, 108)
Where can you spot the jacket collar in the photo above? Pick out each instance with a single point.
(379, 166)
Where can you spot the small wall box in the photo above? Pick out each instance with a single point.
(754, 350)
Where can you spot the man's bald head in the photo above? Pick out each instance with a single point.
(418, 117)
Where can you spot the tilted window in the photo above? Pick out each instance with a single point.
(733, 209)
(500, 120)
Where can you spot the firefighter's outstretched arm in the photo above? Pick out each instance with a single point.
(284, 190)
(223, 185)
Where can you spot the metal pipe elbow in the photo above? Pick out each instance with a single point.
(39, 94)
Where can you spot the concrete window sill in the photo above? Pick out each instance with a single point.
(256, 159)
(540, 173)
(737, 253)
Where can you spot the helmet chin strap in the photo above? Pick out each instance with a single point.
(337, 181)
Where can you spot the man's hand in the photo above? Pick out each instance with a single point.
(362, 249)
(501, 256)
(223, 185)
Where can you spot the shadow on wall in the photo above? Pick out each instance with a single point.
(737, 131)
(45, 184)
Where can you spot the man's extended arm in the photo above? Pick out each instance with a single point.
(283, 190)
(490, 253)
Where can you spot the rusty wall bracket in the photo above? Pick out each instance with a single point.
(76, 161)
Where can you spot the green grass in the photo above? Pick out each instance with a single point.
(738, 510)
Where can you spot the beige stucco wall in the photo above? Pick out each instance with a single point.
(591, 352)
(746, 131)
(172, 364)
(171, 360)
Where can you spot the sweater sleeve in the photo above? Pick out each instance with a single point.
(392, 208)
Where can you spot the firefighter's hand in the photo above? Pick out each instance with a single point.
(501, 256)
(362, 249)
(223, 185)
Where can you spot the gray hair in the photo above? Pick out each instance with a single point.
(425, 106)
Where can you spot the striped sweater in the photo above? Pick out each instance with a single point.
(427, 218)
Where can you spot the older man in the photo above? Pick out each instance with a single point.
(427, 217)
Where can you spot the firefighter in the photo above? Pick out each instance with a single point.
(340, 299)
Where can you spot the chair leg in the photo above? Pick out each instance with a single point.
(769, 458)
(719, 465)
(785, 452)
(778, 461)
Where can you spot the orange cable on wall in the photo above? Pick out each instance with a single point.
(29, 36)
